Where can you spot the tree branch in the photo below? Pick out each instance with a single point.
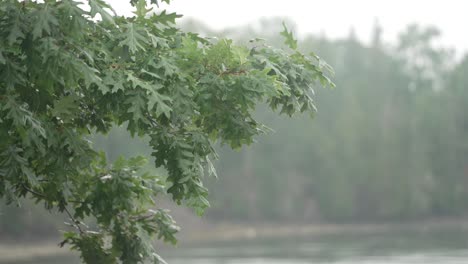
(76, 223)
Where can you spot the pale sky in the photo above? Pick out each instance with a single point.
(334, 18)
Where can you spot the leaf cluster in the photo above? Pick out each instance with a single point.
(67, 71)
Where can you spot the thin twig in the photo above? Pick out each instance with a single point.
(34, 192)
(76, 223)
(43, 195)
(152, 121)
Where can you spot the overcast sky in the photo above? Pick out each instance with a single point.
(334, 18)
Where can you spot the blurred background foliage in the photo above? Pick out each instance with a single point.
(389, 143)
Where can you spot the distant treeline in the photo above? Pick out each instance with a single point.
(390, 142)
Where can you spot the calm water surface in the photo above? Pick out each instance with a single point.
(406, 246)
(411, 247)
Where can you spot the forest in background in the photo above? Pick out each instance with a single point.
(389, 143)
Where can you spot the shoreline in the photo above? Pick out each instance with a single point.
(234, 231)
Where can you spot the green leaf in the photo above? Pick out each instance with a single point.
(88, 74)
(137, 82)
(17, 27)
(137, 106)
(165, 18)
(133, 39)
(66, 108)
(113, 80)
(289, 37)
(241, 54)
(141, 10)
(156, 2)
(161, 102)
(30, 175)
(45, 20)
(167, 66)
(157, 42)
(99, 7)
(152, 74)
(77, 22)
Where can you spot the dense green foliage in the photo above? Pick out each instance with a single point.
(67, 73)
(390, 144)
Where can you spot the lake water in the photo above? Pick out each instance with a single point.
(402, 247)
(405, 246)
